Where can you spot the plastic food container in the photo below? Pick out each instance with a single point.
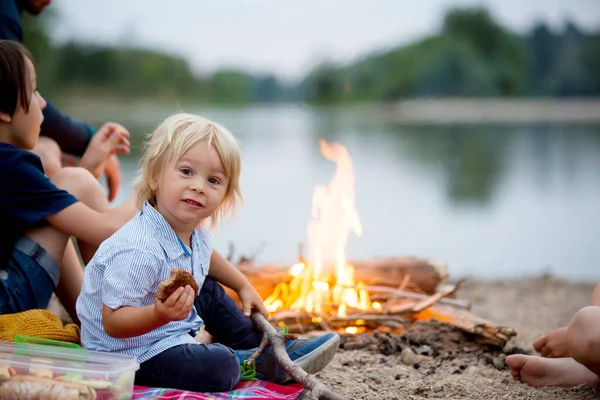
(32, 371)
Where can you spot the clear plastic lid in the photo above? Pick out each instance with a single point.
(65, 359)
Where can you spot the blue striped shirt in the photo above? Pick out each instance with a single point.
(126, 270)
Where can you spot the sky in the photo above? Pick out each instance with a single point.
(283, 37)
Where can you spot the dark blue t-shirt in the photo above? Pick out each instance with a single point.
(72, 136)
(27, 196)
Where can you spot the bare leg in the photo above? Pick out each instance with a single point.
(584, 338)
(50, 154)
(71, 280)
(82, 184)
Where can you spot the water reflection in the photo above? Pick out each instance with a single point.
(497, 200)
(470, 158)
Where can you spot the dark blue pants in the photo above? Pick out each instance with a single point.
(205, 367)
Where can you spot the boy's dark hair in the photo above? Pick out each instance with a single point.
(14, 77)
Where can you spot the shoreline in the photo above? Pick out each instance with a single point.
(491, 110)
(410, 111)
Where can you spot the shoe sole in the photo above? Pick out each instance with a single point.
(318, 359)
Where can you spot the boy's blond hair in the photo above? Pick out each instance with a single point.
(169, 142)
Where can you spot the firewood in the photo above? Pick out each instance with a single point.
(390, 294)
(485, 331)
(277, 341)
(436, 297)
(393, 320)
(405, 282)
(391, 272)
(401, 308)
(425, 273)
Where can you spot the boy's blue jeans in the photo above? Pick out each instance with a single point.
(205, 367)
(29, 278)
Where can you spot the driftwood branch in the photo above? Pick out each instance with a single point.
(377, 319)
(423, 304)
(486, 331)
(391, 293)
(277, 342)
(264, 342)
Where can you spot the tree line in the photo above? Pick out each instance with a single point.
(472, 56)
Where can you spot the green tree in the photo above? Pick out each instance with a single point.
(502, 51)
(229, 86)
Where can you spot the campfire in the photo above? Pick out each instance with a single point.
(323, 285)
(324, 291)
(399, 304)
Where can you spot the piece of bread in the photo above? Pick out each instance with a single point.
(179, 277)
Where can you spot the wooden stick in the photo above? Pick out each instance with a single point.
(372, 318)
(404, 283)
(264, 342)
(277, 341)
(423, 304)
(399, 308)
(390, 293)
(324, 322)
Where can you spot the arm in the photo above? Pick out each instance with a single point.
(10, 22)
(128, 285)
(130, 321)
(127, 321)
(72, 136)
(28, 195)
(226, 273)
(89, 225)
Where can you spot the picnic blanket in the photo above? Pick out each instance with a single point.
(258, 390)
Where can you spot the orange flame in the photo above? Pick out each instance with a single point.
(326, 278)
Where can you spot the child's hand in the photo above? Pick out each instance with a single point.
(177, 306)
(250, 299)
(110, 139)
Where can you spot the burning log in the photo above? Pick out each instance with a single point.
(277, 341)
(485, 331)
(422, 273)
(372, 322)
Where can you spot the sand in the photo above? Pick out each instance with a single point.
(531, 307)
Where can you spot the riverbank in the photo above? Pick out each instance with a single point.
(477, 111)
(410, 111)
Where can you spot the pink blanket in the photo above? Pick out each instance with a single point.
(258, 390)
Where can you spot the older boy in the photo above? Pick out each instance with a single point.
(61, 135)
(38, 215)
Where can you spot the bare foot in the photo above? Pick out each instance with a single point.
(553, 344)
(539, 372)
